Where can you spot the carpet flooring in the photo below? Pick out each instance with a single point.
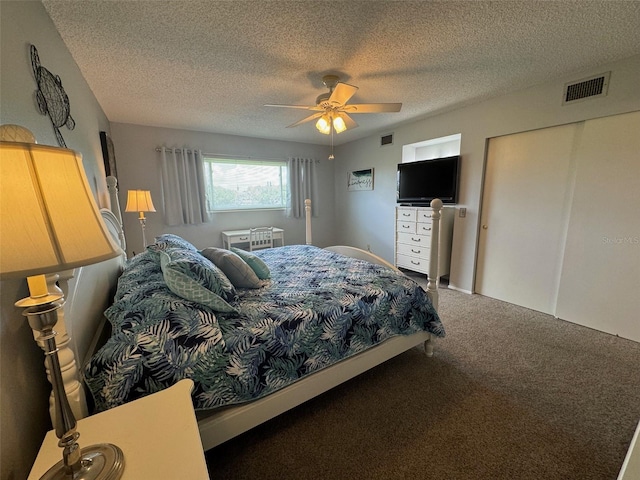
(510, 393)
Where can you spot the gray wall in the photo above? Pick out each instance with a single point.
(139, 168)
(368, 217)
(24, 390)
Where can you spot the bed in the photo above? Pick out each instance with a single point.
(374, 315)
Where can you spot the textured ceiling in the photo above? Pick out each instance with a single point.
(212, 65)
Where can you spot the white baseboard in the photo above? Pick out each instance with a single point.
(457, 289)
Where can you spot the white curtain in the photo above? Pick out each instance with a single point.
(183, 190)
(302, 185)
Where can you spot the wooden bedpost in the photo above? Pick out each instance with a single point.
(432, 283)
(112, 186)
(66, 355)
(307, 216)
(433, 279)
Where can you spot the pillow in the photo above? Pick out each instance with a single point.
(193, 277)
(233, 266)
(256, 264)
(169, 240)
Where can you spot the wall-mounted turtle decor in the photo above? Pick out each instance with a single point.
(51, 98)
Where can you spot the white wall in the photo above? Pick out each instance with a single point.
(24, 390)
(437, 148)
(367, 217)
(139, 168)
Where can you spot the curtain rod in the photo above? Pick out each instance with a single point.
(222, 155)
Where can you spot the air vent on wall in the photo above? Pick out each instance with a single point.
(595, 86)
(386, 140)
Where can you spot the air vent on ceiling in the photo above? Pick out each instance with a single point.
(386, 140)
(595, 86)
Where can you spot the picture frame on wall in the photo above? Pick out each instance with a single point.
(108, 155)
(360, 180)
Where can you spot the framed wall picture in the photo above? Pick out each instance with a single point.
(108, 155)
(360, 180)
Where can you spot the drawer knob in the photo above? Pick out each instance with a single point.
(416, 239)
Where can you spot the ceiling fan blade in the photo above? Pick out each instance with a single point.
(307, 119)
(373, 108)
(342, 93)
(348, 121)
(303, 107)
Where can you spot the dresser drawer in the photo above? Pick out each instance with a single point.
(406, 214)
(412, 263)
(414, 239)
(423, 228)
(424, 216)
(421, 251)
(405, 226)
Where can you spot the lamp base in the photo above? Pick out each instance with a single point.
(102, 461)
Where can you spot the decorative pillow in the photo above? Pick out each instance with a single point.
(257, 264)
(193, 277)
(233, 266)
(169, 240)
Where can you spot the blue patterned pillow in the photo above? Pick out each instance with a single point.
(257, 264)
(169, 240)
(193, 277)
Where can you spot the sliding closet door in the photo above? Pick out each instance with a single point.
(524, 210)
(600, 282)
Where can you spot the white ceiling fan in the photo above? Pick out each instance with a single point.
(333, 110)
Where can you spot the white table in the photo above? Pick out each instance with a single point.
(231, 238)
(158, 435)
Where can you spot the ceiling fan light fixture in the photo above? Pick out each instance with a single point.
(324, 124)
(338, 124)
(331, 111)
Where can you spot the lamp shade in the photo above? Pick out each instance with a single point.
(324, 124)
(139, 201)
(338, 124)
(49, 220)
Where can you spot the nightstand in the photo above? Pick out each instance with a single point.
(158, 435)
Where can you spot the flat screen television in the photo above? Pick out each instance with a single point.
(422, 181)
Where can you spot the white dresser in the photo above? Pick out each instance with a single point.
(413, 237)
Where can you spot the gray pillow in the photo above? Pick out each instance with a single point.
(233, 266)
(256, 263)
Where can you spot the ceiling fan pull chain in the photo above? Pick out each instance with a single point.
(331, 157)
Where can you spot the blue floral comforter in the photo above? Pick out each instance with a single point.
(317, 309)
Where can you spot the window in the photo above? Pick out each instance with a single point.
(252, 184)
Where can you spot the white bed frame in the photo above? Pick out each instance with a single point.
(91, 291)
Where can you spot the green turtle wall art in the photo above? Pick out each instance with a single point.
(51, 98)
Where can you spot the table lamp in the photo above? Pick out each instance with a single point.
(140, 201)
(49, 222)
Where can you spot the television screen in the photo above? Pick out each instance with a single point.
(422, 181)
